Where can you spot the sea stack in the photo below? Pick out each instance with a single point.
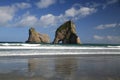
(35, 37)
(66, 34)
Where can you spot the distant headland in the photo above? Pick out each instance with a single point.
(65, 34)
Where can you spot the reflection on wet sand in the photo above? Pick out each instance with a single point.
(66, 68)
(62, 68)
(41, 67)
(53, 69)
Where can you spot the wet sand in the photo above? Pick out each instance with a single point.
(61, 68)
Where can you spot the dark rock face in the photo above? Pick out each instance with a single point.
(67, 34)
(35, 37)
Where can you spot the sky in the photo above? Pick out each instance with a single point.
(97, 21)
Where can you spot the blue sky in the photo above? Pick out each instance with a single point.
(97, 21)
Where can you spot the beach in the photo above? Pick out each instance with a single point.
(61, 68)
(21, 61)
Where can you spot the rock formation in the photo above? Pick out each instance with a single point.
(67, 34)
(35, 37)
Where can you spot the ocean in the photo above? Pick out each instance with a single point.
(23, 61)
(25, 49)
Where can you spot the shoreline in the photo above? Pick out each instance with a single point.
(57, 55)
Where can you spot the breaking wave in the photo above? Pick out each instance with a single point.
(23, 49)
(18, 44)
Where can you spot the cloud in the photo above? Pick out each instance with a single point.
(98, 37)
(71, 12)
(48, 20)
(45, 3)
(109, 2)
(119, 25)
(102, 5)
(108, 38)
(82, 11)
(51, 20)
(114, 39)
(105, 26)
(27, 20)
(6, 14)
(22, 5)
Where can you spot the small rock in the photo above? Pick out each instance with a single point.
(35, 37)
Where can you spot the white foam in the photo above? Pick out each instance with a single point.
(38, 46)
(114, 46)
(38, 49)
(30, 45)
(58, 53)
(18, 44)
(53, 47)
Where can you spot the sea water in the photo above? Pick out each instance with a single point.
(21, 61)
(24, 49)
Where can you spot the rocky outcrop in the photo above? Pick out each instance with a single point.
(66, 34)
(35, 37)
